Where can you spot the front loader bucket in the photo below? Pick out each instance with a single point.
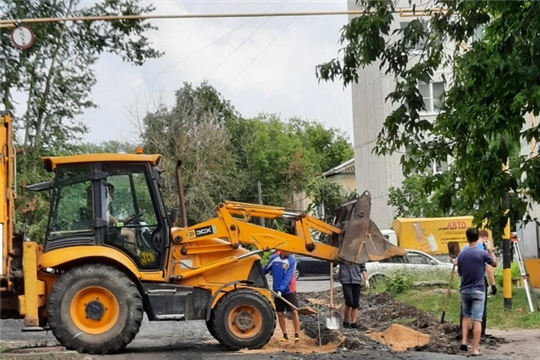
(361, 240)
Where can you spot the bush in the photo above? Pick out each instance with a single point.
(514, 267)
(399, 283)
(265, 257)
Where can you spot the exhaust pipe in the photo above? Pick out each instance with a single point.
(180, 186)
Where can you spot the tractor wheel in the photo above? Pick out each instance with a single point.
(244, 319)
(95, 309)
(211, 326)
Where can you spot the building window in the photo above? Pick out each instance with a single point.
(438, 168)
(419, 46)
(432, 94)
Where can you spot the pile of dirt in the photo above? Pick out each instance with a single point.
(306, 345)
(401, 338)
(378, 316)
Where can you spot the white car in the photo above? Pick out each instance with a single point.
(413, 261)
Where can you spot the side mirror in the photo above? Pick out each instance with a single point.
(433, 262)
(173, 216)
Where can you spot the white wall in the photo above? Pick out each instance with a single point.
(375, 173)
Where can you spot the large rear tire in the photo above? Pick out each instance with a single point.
(95, 309)
(244, 319)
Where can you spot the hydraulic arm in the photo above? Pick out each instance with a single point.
(353, 238)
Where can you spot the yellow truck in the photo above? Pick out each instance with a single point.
(430, 235)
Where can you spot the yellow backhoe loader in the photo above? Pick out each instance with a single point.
(112, 252)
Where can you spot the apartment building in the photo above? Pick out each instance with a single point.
(375, 173)
(378, 173)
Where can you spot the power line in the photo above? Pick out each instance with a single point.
(243, 42)
(170, 67)
(262, 51)
(176, 64)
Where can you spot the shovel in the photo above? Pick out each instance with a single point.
(306, 310)
(453, 251)
(448, 292)
(332, 322)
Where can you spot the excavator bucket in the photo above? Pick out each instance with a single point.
(361, 240)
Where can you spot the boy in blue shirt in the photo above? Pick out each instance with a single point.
(282, 265)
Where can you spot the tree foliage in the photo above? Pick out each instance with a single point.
(284, 155)
(494, 84)
(193, 130)
(56, 76)
(411, 199)
(326, 196)
(225, 155)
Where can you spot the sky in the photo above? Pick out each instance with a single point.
(261, 65)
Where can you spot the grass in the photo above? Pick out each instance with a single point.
(432, 301)
(497, 318)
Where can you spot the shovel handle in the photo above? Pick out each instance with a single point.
(331, 285)
(284, 300)
(449, 287)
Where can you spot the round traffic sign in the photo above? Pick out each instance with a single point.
(22, 37)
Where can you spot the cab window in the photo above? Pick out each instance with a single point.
(131, 215)
(72, 206)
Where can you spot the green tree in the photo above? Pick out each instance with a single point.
(330, 145)
(56, 75)
(285, 155)
(193, 130)
(412, 199)
(111, 146)
(225, 155)
(494, 84)
(278, 160)
(325, 195)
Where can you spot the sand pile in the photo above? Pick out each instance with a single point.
(400, 338)
(306, 345)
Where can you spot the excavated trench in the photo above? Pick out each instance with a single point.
(384, 325)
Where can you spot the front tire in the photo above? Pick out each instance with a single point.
(95, 309)
(211, 326)
(244, 319)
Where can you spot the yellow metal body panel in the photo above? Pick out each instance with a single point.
(51, 162)
(56, 258)
(7, 193)
(431, 235)
(533, 268)
(34, 290)
(212, 269)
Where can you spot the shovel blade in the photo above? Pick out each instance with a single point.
(361, 240)
(332, 323)
(307, 311)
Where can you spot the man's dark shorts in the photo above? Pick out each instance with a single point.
(281, 305)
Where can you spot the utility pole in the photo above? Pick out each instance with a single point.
(259, 195)
(507, 271)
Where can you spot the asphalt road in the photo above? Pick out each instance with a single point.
(169, 340)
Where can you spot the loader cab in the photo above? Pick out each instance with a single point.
(114, 204)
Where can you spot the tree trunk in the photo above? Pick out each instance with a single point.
(42, 107)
